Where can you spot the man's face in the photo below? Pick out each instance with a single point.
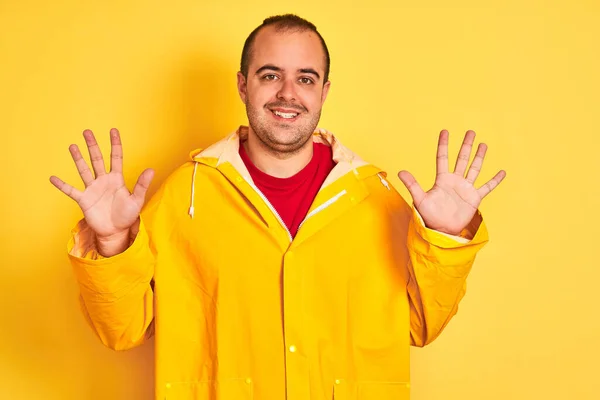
(284, 91)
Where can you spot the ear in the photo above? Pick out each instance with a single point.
(242, 86)
(326, 87)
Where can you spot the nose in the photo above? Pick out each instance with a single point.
(287, 90)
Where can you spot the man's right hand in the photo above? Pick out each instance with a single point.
(110, 210)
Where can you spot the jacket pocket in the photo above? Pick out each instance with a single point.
(241, 389)
(383, 391)
(340, 390)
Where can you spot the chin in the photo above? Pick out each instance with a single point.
(286, 142)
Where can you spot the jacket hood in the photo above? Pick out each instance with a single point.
(227, 151)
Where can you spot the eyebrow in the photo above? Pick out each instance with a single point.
(271, 67)
(310, 71)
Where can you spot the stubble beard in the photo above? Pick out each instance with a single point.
(279, 138)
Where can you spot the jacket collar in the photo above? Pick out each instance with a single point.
(224, 156)
(227, 151)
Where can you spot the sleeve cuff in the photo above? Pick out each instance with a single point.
(475, 232)
(81, 247)
(108, 278)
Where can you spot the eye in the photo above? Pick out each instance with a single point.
(306, 81)
(269, 77)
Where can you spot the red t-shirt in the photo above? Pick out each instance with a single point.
(292, 197)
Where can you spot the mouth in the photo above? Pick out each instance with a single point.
(285, 115)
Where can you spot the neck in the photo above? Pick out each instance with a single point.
(274, 163)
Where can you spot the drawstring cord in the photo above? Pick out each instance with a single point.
(191, 211)
(383, 181)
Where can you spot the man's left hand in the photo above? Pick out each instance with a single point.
(452, 202)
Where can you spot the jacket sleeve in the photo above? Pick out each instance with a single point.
(438, 265)
(116, 293)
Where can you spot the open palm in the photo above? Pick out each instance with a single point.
(108, 206)
(453, 200)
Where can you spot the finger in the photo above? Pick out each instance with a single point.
(116, 151)
(82, 166)
(491, 184)
(442, 153)
(464, 154)
(66, 188)
(413, 186)
(477, 163)
(95, 153)
(141, 186)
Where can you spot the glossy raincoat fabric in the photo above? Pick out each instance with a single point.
(241, 311)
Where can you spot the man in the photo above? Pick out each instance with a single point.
(276, 263)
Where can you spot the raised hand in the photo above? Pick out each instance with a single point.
(453, 200)
(109, 208)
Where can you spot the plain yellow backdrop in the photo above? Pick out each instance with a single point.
(523, 75)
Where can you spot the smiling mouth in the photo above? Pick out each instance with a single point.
(285, 115)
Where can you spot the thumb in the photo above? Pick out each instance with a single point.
(413, 186)
(142, 184)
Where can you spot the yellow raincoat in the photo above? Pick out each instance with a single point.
(241, 311)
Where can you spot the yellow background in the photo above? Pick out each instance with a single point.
(524, 76)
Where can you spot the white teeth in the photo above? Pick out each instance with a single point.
(285, 115)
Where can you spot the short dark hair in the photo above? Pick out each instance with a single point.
(282, 23)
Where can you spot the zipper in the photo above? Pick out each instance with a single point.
(268, 203)
(322, 207)
(310, 214)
